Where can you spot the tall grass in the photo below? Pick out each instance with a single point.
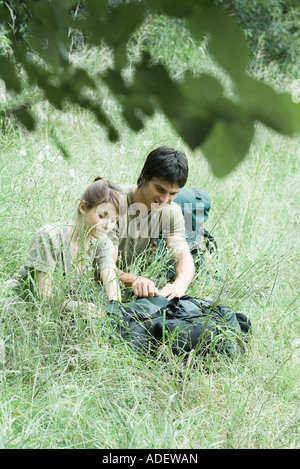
(70, 384)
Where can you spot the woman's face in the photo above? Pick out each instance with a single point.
(99, 220)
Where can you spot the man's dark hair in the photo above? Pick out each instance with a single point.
(167, 164)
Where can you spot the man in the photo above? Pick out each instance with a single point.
(151, 212)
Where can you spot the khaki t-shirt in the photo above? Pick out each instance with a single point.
(50, 252)
(136, 236)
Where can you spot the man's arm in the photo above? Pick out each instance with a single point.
(141, 286)
(185, 268)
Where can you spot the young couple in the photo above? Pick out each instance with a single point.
(114, 225)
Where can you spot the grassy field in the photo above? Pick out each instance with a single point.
(64, 386)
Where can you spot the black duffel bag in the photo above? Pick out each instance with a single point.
(184, 323)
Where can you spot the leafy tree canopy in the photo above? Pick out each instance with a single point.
(37, 32)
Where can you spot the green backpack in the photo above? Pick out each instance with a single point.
(195, 206)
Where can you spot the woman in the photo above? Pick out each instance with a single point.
(66, 253)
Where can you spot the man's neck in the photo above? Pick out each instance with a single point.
(138, 198)
(138, 194)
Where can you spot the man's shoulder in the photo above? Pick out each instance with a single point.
(128, 191)
(172, 208)
(172, 221)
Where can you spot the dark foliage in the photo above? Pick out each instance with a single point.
(39, 39)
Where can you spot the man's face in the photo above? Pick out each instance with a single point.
(158, 193)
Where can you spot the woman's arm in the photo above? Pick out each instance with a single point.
(44, 284)
(111, 284)
(45, 290)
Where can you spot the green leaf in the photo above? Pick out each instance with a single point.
(25, 117)
(99, 114)
(227, 145)
(120, 55)
(49, 34)
(131, 118)
(56, 96)
(227, 43)
(97, 8)
(64, 150)
(24, 59)
(201, 89)
(175, 8)
(154, 79)
(141, 102)
(120, 24)
(67, 4)
(115, 82)
(263, 103)
(9, 74)
(194, 114)
(76, 80)
(190, 106)
(193, 129)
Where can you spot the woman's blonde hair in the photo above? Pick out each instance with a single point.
(102, 191)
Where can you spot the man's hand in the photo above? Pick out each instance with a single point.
(141, 286)
(171, 290)
(185, 268)
(144, 287)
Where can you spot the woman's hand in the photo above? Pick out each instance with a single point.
(94, 312)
